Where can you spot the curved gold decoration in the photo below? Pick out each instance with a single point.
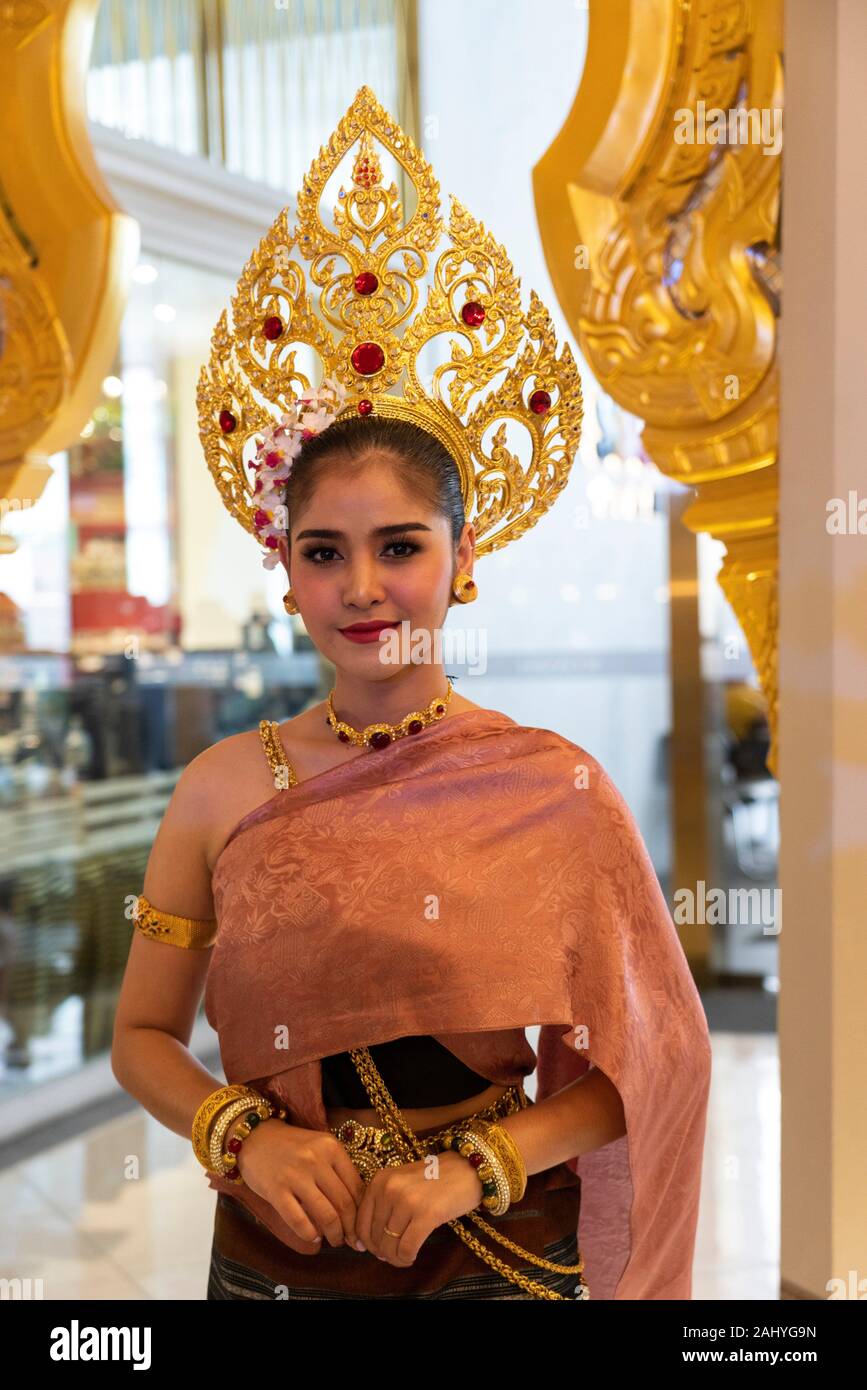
(66, 252)
(664, 258)
(255, 379)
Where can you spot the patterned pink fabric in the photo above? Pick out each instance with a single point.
(468, 882)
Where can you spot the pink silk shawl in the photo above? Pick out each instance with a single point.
(468, 882)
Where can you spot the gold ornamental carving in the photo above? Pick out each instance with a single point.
(658, 207)
(66, 251)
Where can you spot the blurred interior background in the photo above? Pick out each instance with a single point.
(137, 626)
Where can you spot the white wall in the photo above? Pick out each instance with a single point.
(496, 83)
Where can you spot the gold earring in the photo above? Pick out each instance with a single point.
(289, 602)
(464, 588)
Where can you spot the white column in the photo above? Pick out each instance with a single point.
(823, 654)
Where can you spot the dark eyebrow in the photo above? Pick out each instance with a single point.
(379, 531)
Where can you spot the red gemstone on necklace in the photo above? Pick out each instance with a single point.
(380, 740)
(343, 735)
(365, 407)
(272, 327)
(473, 313)
(227, 421)
(415, 726)
(368, 359)
(366, 282)
(439, 709)
(540, 402)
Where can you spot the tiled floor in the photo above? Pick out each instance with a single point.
(738, 1246)
(126, 1212)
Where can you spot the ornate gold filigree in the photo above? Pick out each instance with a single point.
(254, 377)
(669, 298)
(66, 251)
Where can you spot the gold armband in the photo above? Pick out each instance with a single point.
(177, 931)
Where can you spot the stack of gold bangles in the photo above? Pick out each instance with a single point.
(215, 1117)
(496, 1158)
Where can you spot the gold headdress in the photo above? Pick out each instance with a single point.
(369, 333)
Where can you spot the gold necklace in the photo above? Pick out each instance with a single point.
(381, 735)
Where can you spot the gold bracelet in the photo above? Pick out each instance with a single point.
(206, 1113)
(232, 1147)
(496, 1193)
(504, 1146)
(226, 1117)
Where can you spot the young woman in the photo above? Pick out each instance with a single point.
(324, 888)
(380, 895)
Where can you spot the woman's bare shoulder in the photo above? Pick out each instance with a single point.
(220, 785)
(226, 755)
(238, 753)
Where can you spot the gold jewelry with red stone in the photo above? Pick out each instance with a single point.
(507, 1153)
(367, 267)
(208, 1112)
(464, 588)
(224, 1159)
(381, 735)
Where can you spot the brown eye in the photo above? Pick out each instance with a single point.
(410, 544)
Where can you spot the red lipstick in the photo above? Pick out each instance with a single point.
(365, 632)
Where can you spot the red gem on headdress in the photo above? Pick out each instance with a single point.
(368, 359)
(366, 282)
(227, 421)
(473, 313)
(272, 327)
(476, 1159)
(540, 402)
(380, 740)
(261, 518)
(414, 727)
(365, 407)
(234, 1146)
(271, 542)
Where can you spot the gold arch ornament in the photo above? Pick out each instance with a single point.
(66, 251)
(661, 237)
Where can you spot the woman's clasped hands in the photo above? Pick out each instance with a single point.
(313, 1185)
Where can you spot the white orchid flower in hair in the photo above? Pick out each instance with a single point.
(279, 446)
